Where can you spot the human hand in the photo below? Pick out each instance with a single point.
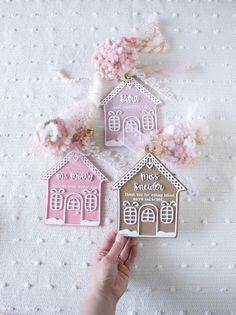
(113, 264)
(110, 275)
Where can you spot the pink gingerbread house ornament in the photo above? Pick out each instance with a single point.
(74, 192)
(130, 111)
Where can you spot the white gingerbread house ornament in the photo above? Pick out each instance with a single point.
(148, 200)
(130, 111)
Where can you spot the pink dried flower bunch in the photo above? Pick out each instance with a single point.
(113, 59)
(177, 142)
(57, 136)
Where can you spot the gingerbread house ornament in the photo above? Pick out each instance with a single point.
(130, 112)
(148, 200)
(74, 192)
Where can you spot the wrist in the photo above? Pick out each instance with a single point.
(103, 297)
(96, 303)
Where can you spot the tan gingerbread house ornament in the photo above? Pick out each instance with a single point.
(148, 200)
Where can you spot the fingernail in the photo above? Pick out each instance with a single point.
(119, 238)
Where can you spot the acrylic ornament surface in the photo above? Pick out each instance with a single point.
(130, 111)
(193, 274)
(74, 192)
(148, 200)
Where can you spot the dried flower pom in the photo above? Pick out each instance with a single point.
(53, 135)
(113, 59)
(177, 142)
(58, 136)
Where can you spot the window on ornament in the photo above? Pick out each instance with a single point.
(131, 126)
(148, 120)
(56, 199)
(73, 204)
(148, 215)
(91, 202)
(167, 214)
(114, 120)
(130, 215)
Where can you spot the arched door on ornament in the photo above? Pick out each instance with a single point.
(148, 220)
(73, 209)
(131, 130)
